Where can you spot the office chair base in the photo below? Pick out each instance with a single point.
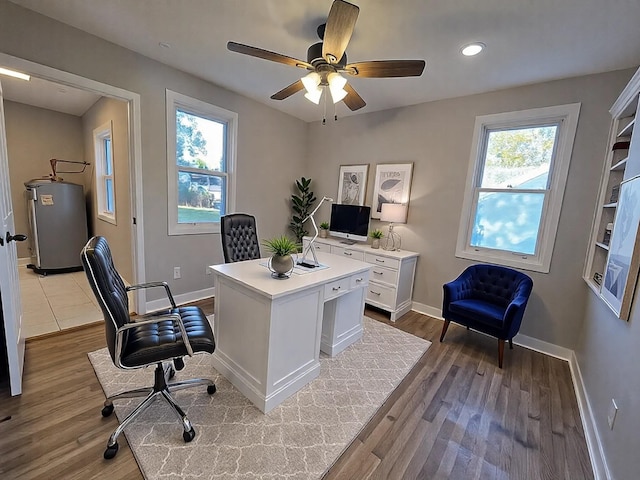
(160, 388)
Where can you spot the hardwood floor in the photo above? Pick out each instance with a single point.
(456, 416)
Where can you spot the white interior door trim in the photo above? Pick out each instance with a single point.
(135, 151)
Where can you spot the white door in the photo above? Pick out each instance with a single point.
(9, 283)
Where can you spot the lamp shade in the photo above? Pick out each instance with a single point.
(394, 213)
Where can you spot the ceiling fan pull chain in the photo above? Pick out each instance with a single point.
(324, 106)
(335, 113)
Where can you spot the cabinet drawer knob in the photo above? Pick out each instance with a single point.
(375, 293)
(348, 253)
(379, 261)
(378, 273)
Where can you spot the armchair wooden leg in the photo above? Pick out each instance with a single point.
(444, 329)
(511, 344)
(500, 352)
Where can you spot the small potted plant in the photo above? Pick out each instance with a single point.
(281, 262)
(376, 235)
(324, 230)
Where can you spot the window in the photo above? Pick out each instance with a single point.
(105, 183)
(201, 146)
(515, 185)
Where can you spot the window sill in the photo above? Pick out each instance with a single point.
(533, 264)
(108, 219)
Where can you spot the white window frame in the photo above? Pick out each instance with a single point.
(175, 101)
(566, 116)
(100, 134)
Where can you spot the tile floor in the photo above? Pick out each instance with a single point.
(55, 302)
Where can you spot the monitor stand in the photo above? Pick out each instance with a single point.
(348, 242)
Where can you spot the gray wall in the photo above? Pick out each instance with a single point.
(119, 235)
(271, 145)
(34, 136)
(436, 137)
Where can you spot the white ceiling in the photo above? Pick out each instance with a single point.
(528, 41)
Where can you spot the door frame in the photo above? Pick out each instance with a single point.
(135, 152)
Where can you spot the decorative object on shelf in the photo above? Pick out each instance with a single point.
(393, 213)
(623, 261)
(301, 204)
(324, 230)
(376, 235)
(281, 262)
(392, 185)
(597, 277)
(615, 191)
(607, 233)
(352, 184)
(304, 261)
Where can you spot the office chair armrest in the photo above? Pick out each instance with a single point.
(154, 319)
(154, 284)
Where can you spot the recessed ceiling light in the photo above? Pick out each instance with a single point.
(472, 49)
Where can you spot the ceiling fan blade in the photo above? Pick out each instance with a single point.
(286, 92)
(386, 68)
(267, 55)
(353, 100)
(337, 33)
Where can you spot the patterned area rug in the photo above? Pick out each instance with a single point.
(299, 439)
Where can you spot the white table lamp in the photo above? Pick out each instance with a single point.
(393, 213)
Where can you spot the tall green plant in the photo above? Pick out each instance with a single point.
(301, 204)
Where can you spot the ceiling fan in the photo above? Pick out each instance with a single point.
(327, 59)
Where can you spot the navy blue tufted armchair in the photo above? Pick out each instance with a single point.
(487, 298)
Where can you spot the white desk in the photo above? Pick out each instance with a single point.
(269, 332)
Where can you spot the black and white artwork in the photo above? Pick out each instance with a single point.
(392, 185)
(352, 185)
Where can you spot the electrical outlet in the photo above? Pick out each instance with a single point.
(613, 411)
(176, 273)
(209, 271)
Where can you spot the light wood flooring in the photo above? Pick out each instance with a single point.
(455, 416)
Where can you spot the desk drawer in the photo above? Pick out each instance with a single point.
(384, 275)
(359, 280)
(381, 261)
(319, 247)
(381, 295)
(347, 252)
(336, 288)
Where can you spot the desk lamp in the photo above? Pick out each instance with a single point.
(303, 261)
(393, 213)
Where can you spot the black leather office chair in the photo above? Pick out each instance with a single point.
(165, 336)
(239, 237)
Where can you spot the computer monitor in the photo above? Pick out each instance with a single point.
(350, 222)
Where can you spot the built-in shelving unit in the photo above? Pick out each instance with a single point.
(622, 162)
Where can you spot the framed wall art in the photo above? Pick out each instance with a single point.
(623, 261)
(352, 184)
(392, 185)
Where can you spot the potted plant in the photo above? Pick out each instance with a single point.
(324, 230)
(281, 262)
(376, 235)
(301, 204)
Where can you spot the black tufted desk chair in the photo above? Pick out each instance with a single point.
(147, 340)
(239, 237)
(490, 299)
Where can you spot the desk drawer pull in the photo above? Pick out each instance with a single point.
(378, 273)
(358, 280)
(348, 253)
(335, 289)
(375, 293)
(379, 261)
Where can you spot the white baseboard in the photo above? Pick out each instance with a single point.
(594, 445)
(596, 453)
(180, 299)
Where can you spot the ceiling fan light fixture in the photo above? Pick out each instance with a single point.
(314, 96)
(472, 49)
(311, 83)
(336, 86)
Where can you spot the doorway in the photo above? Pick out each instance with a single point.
(132, 255)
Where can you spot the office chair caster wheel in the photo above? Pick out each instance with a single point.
(111, 451)
(211, 389)
(190, 435)
(107, 410)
